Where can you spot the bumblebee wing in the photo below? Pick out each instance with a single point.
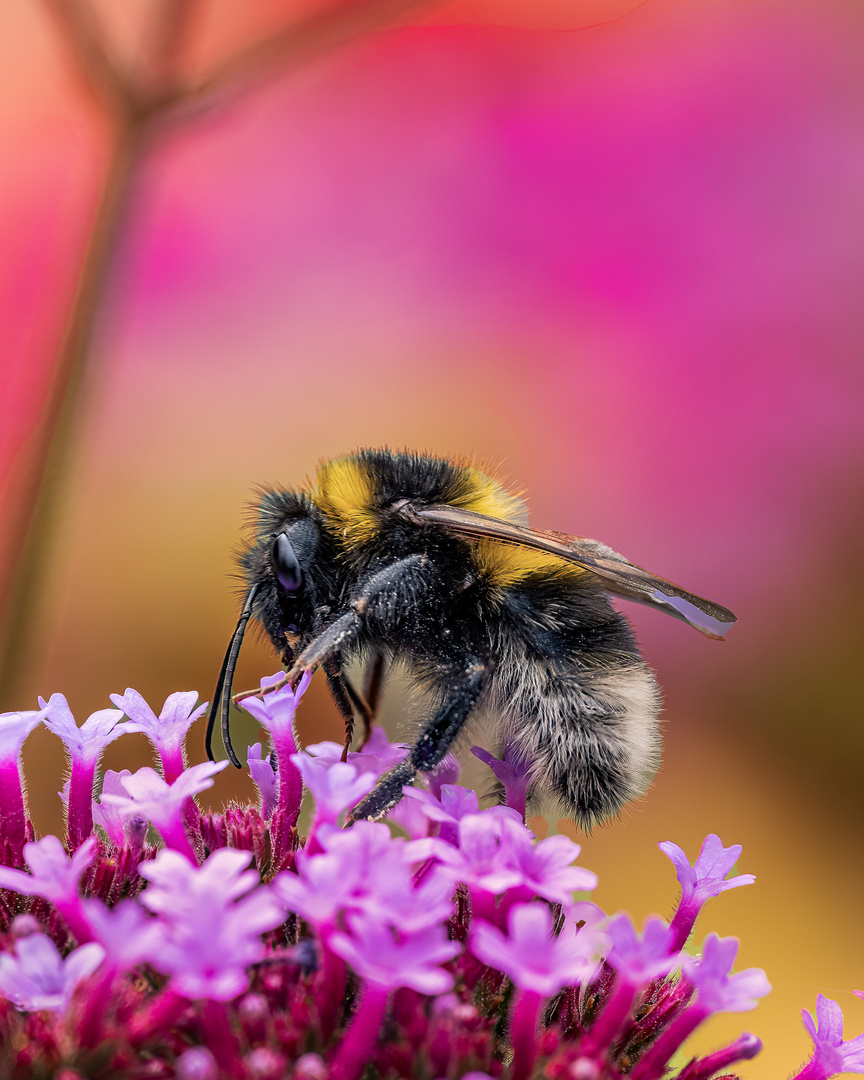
(620, 577)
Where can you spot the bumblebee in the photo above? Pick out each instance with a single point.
(429, 562)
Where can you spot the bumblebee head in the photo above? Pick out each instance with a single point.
(283, 577)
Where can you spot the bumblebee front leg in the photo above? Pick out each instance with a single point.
(382, 594)
(461, 695)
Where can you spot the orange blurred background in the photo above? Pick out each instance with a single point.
(622, 263)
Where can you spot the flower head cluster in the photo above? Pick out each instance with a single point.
(239, 949)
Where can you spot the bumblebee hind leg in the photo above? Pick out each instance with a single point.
(462, 691)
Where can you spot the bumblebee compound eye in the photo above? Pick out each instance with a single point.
(286, 565)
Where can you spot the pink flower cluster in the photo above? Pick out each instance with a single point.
(237, 949)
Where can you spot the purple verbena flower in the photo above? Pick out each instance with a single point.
(445, 809)
(831, 1054)
(150, 797)
(546, 866)
(539, 963)
(390, 959)
(108, 815)
(14, 729)
(716, 989)
(127, 933)
(364, 870)
(514, 772)
(639, 959)
(378, 755)
(264, 777)
(37, 977)
(700, 882)
(167, 731)
(529, 953)
(87, 742)
(55, 877)
(84, 747)
(213, 916)
(275, 711)
(483, 859)
(636, 961)
(335, 786)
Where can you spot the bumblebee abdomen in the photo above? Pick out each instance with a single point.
(577, 699)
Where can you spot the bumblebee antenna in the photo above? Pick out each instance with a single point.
(222, 694)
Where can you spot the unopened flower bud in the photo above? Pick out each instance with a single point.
(310, 1067)
(253, 1008)
(265, 1064)
(583, 1069)
(197, 1063)
(135, 832)
(24, 925)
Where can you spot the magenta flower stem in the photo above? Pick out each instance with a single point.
(359, 1041)
(171, 759)
(219, 1038)
(80, 808)
(159, 1015)
(746, 1048)
(523, 1032)
(483, 906)
(608, 1024)
(682, 923)
(653, 1064)
(813, 1071)
(174, 835)
(287, 773)
(331, 989)
(72, 915)
(90, 1024)
(13, 827)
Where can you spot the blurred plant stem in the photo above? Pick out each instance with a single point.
(142, 105)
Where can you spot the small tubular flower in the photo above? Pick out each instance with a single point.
(213, 918)
(335, 786)
(529, 953)
(167, 731)
(637, 958)
(275, 713)
(55, 877)
(637, 961)
(391, 960)
(717, 990)
(547, 866)
(700, 882)
(109, 815)
(513, 772)
(126, 932)
(148, 796)
(378, 755)
(446, 808)
(37, 977)
(84, 747)
(831, 1054)
(14, 729)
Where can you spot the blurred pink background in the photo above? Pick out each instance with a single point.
(623, 264)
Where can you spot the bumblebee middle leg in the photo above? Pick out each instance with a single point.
(341, 690)
(373, 681)
(461, 695)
